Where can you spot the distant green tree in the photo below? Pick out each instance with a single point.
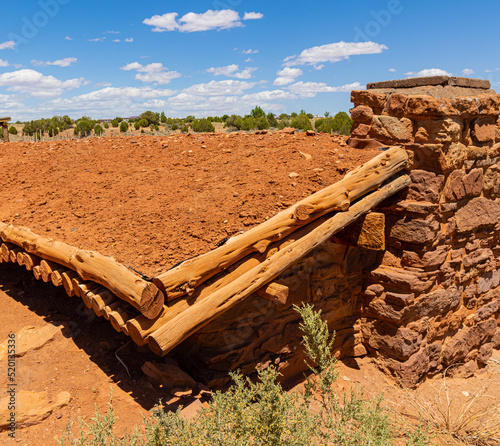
(137, 126)
(249, 123)
(83, 128)
(342, 123)
(98, 130)
(257, 113)
(53, 130)
(163, 118)
(123, 126)
(175, 126)
(301, 122)
(234, 121)
(106, 125)
(185, 129)
(327, 114)
(262, 123)
(115, 123)
(284, 116)
(151, 117)
(202, 125)
(189, 118)
(272, 120)
(143, 123)
(225, 118)
(294, 115)
(12, 130)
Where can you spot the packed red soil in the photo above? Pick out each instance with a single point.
(152, 201)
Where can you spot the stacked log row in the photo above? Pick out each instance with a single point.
(90, 266)
(216, 281)
(102, 301)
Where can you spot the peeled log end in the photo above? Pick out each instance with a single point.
(154, 345)
(134, 331)
(152, 301)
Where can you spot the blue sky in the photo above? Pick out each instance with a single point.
(109, 58)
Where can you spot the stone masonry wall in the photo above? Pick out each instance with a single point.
(433, 299)
(258, 332)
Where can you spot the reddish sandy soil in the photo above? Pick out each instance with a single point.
(150, 201)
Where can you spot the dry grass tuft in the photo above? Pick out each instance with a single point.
(453, 417)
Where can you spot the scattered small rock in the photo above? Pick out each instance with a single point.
(293, 175)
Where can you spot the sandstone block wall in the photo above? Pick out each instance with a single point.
(257, 332)
(433, 299)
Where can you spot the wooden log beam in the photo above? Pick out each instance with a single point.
(140, 327)
(30, 261)
(118, 318)
(20, 258)
(102, 299)
(275, 292)
(5, 249)
(37, 272)
(56, 276)
(91, 266)
(367, 232)
(13, 254)
(337, 197)
(197, 316)
(67, 279)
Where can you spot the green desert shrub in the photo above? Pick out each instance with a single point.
(261, 413)
(123, 126)
(12, 130)
(83, 128)
(301, 122)
(98, 130)
(202, 125)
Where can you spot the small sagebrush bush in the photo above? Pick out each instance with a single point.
(261, 413)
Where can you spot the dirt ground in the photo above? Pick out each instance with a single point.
(152, 201)
(81, 360)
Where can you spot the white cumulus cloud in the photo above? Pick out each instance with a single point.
(467, 71)
(428, 72)
(9, 45)
(4, 63)
(333, 52)
(218, 88)
(66, 62)
(193, 22)
(286, 76)
(252, 15)
(232, 71)
(392, 70)
(311, 89)
(129, 39)
(35, 84)
(250, 51)
(153, 73)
